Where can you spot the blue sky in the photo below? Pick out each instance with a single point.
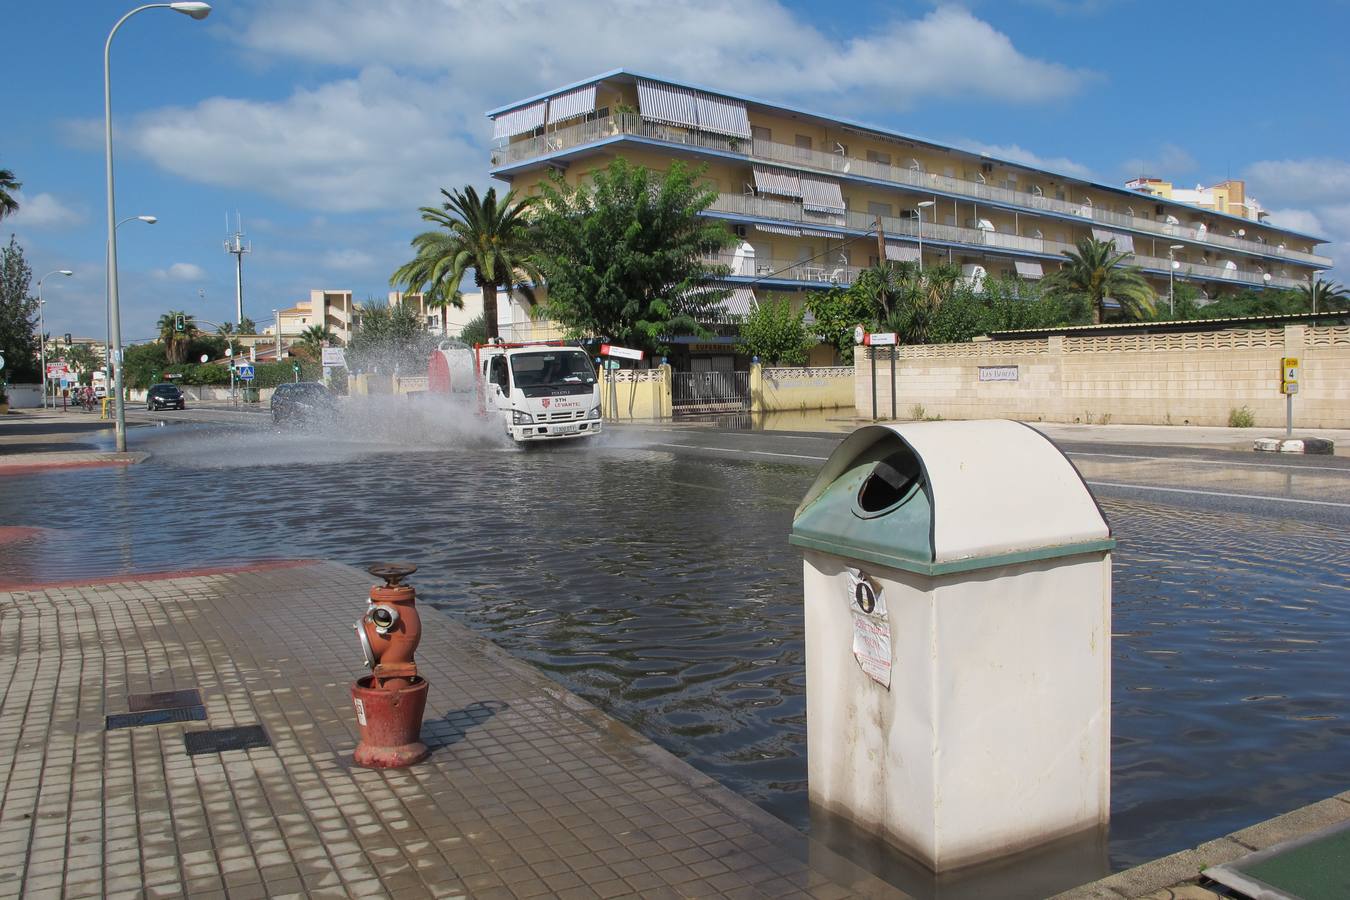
(326, 123)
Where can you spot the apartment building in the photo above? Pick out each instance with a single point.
(1228, 197)
(803, 192)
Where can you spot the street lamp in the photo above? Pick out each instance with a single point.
(42, 336)
(107, 336)
(926, 204)
(1172, 267)
(196, 11)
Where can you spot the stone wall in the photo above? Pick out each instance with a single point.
(1193, 378)
(794, 389)
(640, 393)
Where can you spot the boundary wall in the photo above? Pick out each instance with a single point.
(1192, 378)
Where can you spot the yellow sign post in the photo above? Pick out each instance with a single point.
(1289, 387)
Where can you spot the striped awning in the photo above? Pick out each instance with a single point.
(1029, 269)
(1124, 242)
(821, 195)
(665, 103)
(816, 232)
(722, 116)
(566, 106)
(901, 252)
(779, 229)
(519, 120)
(782, 182)
(740, 302)
(1230, 269)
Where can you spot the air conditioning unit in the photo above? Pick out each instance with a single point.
(741, 230)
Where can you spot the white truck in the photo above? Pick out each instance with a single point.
(539, 391)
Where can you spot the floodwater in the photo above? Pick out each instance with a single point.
(661, 588)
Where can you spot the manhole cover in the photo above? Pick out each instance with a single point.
(218, 740)
(156, 717)
(164, 700)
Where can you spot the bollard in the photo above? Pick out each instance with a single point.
(390, 701)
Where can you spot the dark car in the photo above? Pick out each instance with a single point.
(165, 396)
(302, 402)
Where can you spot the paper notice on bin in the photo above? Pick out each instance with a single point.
(871, 627)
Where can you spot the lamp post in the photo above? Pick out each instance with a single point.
(42, 330)
(276, 314)
(1171, 268)
(919, 209)
(107, 337)
(197, 11)
(1312, 290)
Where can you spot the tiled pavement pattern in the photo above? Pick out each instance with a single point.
(529, 791)
(25, 463)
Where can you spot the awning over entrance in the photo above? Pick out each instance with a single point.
(778, 229)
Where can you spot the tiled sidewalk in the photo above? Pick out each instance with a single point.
(529, 791)
(28, 463)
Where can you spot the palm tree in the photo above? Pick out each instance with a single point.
(315, 337)
(1321, 295)
(482, 234)
(246, 326)
(9, 185)
(1094, 271)
(176, 342)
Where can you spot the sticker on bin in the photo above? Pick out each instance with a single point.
(871, 628)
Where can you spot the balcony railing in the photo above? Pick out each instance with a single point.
(799, 157)
(793, 213)
(821, 271)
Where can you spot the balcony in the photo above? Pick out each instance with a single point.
(745, 206)
(821, 272)
(633, 125)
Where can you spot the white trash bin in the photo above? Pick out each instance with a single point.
(958, 640)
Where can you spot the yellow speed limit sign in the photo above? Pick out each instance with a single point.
(1289, 375)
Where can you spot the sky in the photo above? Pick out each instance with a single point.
(325, 124)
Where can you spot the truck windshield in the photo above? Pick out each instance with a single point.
(552, 368)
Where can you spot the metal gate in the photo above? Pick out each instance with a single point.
(697, 393)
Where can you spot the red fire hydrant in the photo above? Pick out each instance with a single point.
(390, 701)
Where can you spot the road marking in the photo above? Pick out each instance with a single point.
(1172, 490)
(736, 450)
(1216, 462)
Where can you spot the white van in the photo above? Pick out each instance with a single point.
(540, 392)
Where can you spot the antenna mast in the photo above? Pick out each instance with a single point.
(235, 245)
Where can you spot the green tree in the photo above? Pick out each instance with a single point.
(1094, 271)
(143, 364)
(9, 186)
(490, 237)
(176, 342)
(18, 317)
(83, 361)
(246, 326)
(315, 337)
(1322, 295)
(390, 338)
(776, 334)
(625, 257)
(474, 331)
(838, 312)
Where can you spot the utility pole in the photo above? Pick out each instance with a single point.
(881, 243)
(235, 246)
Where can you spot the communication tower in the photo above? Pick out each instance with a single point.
(236, 246)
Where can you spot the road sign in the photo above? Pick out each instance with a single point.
(334, 356)
(2, 360)
(620, 352)
(1289, 375)
(245, 371)
(880, 339)
(57, 369)
(859, 334)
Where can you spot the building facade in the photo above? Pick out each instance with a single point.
(803, 193)
(1227, 197)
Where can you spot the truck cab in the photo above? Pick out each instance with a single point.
(542, 392)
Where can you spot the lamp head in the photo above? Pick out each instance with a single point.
(1177, 247)
(65, 272)
(194, 9)
(924, 204)
(149, 220)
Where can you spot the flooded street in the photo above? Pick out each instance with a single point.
(659, 585)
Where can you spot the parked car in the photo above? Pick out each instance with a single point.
(302, 402)
(165, 396)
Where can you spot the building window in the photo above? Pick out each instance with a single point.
(803, 143)
(879, 209)
(876, 156)
(760, 133)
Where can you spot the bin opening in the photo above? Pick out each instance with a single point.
(891, 482)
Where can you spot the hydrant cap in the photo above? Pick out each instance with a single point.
(391, 572)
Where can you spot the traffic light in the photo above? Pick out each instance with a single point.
(179, 324)
(296, 367)
(67, 338)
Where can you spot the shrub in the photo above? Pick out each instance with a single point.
(1241, 418)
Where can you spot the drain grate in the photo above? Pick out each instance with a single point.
(164, 700)
(218, 740)
(156, 717)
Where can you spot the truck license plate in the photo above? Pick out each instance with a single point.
(563, 429)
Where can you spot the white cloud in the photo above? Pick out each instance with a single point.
(348, 260)
(1169, 163)
(412, 119)
(1308, 181)
(45, 211)
(763, 45)
(181, 272)
(1297, 219)
(1016, 153)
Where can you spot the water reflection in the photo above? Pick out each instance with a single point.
(661, 588)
